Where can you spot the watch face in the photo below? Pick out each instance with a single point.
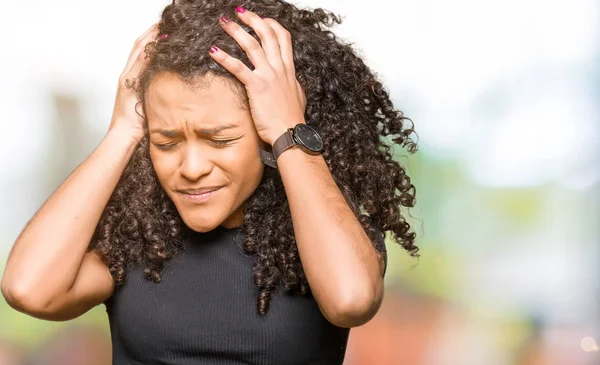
(308, 137)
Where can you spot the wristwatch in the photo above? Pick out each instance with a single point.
(301, 135)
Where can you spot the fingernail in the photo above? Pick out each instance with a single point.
(240, 9)
(225, 19)
(213, 49)
(164, 36)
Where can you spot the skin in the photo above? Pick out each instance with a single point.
(63, 227)
(187, 155)
(341, 265)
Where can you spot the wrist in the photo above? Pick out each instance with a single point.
(275, 133)
(119, 136)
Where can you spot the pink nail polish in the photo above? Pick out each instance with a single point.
(164, 36)
(225, 19)
(240, 9)
(213, 49)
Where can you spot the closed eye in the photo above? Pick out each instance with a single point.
(167, 146)
(218, 142)
(223, 142)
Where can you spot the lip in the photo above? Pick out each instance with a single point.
(199, 195)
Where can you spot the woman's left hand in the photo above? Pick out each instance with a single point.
(277, 101)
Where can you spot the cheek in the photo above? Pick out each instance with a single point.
(163, 164)
(243, 165)
(253, 169)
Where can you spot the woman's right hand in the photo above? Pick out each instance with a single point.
(64, 226)
(125, 118)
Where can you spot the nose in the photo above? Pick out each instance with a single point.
(196, 162)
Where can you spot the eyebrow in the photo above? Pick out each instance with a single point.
(204, 131)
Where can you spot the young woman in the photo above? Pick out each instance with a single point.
(235, 211)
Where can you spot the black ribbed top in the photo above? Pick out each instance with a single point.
(204, 312)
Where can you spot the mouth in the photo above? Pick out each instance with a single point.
(199, 195)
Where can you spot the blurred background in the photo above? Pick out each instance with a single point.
(505, 96)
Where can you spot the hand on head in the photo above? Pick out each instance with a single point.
(276, 99)
(126, 116)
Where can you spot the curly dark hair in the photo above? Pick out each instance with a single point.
(346, 104)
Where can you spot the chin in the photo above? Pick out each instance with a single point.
(205, 216)
(201, 227)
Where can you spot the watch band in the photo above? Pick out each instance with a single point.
(285, 141)
(289, 139)
(267, 158)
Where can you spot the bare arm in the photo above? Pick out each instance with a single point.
(343, 268)
(49, 275)
(47, 257)
(340, 262)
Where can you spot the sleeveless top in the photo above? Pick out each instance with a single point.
(204, 312)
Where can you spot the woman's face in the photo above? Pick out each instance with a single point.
(203, 138)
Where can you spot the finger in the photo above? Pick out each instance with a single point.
(140, 46)
(284, 38)
(152, 28)
(140, 39)
(267, 35)
(233, 65)
(249, 44)
(135, 65)
(129, 79)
